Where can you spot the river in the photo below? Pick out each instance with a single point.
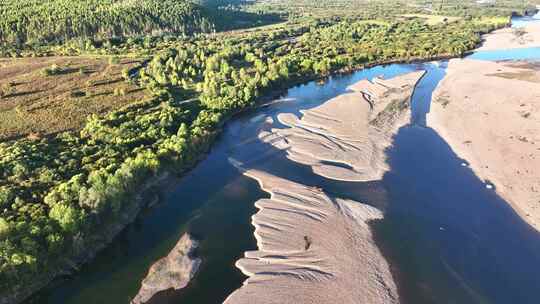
(448, 238)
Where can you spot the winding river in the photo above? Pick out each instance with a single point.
(448, 238)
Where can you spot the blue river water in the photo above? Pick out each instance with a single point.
(518, 22)
(447, 237)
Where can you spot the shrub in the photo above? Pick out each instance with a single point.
(119, 92)
(114, 60)
(77, 94)
(51, 71)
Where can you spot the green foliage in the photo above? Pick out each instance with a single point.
(119, 92)
(57, 193)
(370, 9)
(51, 71)
(7, 89)
(4, 228)
(114, 60)
(36, 21)
(68, 217)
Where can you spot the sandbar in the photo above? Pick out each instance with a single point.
(173, 271)
(489, 113)
(315, 247)
(510, 38)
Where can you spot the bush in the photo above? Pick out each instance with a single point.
(114, 60)
(119, 92)
(7, 90)
(77, 94)
(51, 71)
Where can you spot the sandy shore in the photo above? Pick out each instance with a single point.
(509, 38)
(314, 247)
(489, 113)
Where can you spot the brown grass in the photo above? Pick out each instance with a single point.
(32, 103)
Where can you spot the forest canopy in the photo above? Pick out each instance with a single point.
(37, 21)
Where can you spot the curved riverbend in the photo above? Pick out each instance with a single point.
(446, 236)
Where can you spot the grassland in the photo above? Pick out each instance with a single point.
(37, 104)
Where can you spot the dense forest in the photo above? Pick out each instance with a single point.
(59, 194)
(385, 8)
(35, 21)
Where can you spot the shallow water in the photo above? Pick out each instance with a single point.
(523, 21)
(509, 54)
(449, 239)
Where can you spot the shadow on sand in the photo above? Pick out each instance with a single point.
(450, 239)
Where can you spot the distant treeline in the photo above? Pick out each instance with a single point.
(32, 23)
(37, 21)
(387, 8)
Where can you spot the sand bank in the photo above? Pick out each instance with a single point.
(509, 38)
(489, 113)
(314, 247)
(171, 272)
(352, 129)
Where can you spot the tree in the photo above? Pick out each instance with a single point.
(4, 228)
(68, 217)
(6, 196)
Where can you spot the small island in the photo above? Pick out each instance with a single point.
(171, 272)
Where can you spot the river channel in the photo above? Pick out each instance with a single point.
(448, 238)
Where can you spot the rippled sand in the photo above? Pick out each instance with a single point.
(314, 247)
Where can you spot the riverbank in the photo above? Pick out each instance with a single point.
(314, 247)
(489, 113)
(146, 196)
(510, 37)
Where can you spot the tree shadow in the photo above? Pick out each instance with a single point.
(23, 93)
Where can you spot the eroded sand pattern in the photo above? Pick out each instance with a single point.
(352, 129)
(314, 247)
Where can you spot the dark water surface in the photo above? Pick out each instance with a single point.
(448, 238)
